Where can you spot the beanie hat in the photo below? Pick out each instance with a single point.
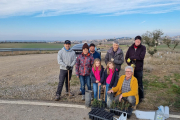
(85, 46)
(137, 37)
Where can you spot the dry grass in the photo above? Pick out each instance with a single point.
(161, 73)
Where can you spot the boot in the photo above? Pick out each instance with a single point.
(57, 98)
(83, 98)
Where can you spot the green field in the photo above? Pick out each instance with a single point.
(164, 47)
(31, 45)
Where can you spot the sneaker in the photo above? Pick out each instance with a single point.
(80, 93)
(57, 98)
(83, 97)
(71, 94)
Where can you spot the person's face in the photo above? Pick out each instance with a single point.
(128, 73)
(137, 42)
(85, 51)
(92, 49)
(97, 63)
(111, 66)
(115, 46)
(67, 46)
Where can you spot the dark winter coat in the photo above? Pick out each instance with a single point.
(84, 64)
(137, 54)
(93, 78)
(114, 79)
(118, 57)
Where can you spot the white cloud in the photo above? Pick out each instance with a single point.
(44, 8)
(142, 22)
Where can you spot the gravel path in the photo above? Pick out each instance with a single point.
(31, 77)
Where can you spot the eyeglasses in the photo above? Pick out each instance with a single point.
(128, 71)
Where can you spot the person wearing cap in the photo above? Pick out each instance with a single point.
(93, 52)
(66, 58)
(115, 54)
(135, 55)
(84, 63)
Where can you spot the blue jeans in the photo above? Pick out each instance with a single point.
(81, 87)
(83, 80)
(95, 88)
(107, 89)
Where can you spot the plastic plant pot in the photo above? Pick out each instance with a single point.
(119, 112)
(109, 99)
(88, 98)
(100, 114)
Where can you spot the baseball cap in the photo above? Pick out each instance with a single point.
(67, 42)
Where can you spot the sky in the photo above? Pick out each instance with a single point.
(86, 19)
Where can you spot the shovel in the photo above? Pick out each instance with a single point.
(104, 93)
(69, 86)
(98, 93)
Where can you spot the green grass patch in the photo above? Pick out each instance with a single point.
(53, 84)
(74, 82)
(168, 79)
(145, 83)
(158, 84)
(177, 102)
(164, 47)
(176, 89)
(176, 77)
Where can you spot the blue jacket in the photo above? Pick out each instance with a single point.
(93, 79)
(114, 79)
(96, 55)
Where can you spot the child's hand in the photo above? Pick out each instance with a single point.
(97, 81)
(99, 84)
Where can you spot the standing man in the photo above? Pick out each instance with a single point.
(115, 54)
(93, 52)
(136, 54)
(66, 58)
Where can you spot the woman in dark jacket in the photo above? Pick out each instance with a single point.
(110, 77)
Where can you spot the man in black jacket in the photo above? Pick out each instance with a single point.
(135, 55)
(115, 54)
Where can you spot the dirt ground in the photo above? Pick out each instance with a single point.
(35, 77)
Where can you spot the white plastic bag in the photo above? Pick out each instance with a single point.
(145, 114)
(122, 117)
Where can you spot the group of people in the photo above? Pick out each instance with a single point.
(89, 70)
